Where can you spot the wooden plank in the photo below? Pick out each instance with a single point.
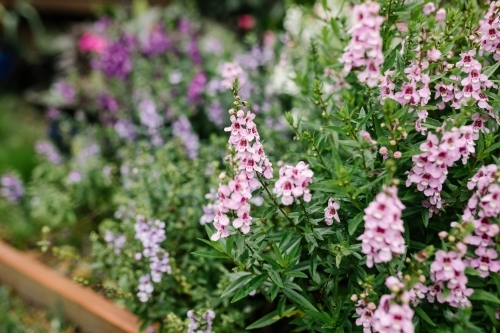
(38, 283)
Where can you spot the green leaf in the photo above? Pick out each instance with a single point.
(487, 152)
(299, 299)
(354, 223)
(297, 274)
(471, 271)
(425, 217)
(490, 70)
(252, 285)
(210, 254)
(483, 295)
(233, 286)
(421, 313)
(275, 277)
(281, 306)
(267, 320)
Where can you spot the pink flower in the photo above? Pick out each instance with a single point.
(485, 262)
(441, 15)
(331, 212)
(382, 237)
(90, 42)
(429, 8)
(433, 55)
(365, 47)
(467, 62)
(391, 317)
(367, 137)
(293, 183)
(246, 21)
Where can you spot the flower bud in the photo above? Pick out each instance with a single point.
(354, 298)
(443, 234)
(397, 155)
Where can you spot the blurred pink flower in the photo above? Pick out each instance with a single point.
(90, 42)
(246, 21)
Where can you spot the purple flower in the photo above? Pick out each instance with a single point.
(125, 129)
(145, 288)
(107, 102)
(67, 91)
(158, 41)
(116, 60)
(196, 87)
(215, 113)
(182, 129)
(74, 177)
(48, 150)
(116, 242)
(12, 188)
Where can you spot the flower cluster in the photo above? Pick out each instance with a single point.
(210, 209)
(416, 91)
(229, 72)
(430, 169)
(293, 182)
(151, 234)
(448, 272)
(194, 323)
(365, 48)
(382, 237)
(152, 120)
(115, 60)
(483, 206)
(472, 85)
(115, 241)
(181, 128)
(390, 316)
(157, 42)
(249, 158)
(196, 87)
(393, 315)
(488, 34)
(12, 188)
(331, 212)
(48, 150)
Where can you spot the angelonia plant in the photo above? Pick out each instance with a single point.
(371, 205)
(387, 219)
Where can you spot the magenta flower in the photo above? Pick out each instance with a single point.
(90, 42)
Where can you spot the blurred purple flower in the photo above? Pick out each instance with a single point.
(48, 150)
(53, 113)
(215, 113)
(158, 41)
(116, 60)
(107, 102)
(182, 129)
(74, 177)
(67, 91)
(12, 188)
(196, 87)
(194, 52)
(125, 129)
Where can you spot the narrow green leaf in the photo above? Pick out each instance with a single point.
(296, 274)
(252, 285)
(421, 313)
(233, 286)
(281, 306)
(299, 299)
(425, 217)
(210, 254)
(490, 70)
(483, 295)
(267, 320)
(354, 223)
(275, 277)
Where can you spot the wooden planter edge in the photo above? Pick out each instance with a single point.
(36, 282)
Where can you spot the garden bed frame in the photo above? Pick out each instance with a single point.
(38, 283)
